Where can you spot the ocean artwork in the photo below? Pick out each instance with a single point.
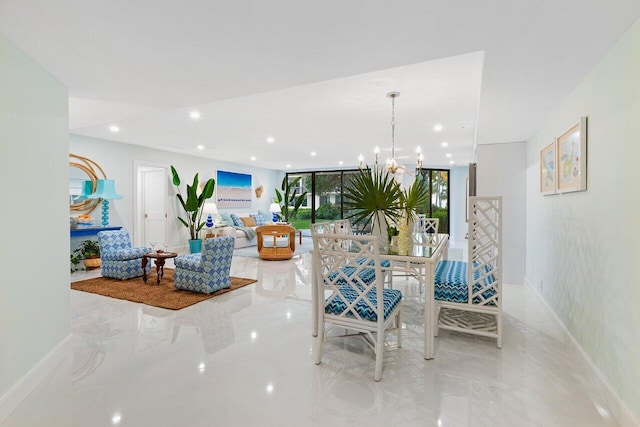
(233, 190)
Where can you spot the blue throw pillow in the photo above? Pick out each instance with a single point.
(266, 215)
(236, 220)
(226, 218)
(259, 219)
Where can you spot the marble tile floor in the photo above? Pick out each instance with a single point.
(245, 358)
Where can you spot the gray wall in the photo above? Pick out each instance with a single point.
(502, 172)
(583, 247)
(34, 245)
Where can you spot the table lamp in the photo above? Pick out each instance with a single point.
(105, 190)
(274, 208)
(210, 208)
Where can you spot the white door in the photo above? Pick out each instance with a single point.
(154, 190)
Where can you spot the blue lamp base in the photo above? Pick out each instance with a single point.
(105, 213)
(274, 218)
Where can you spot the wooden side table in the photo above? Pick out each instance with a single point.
(160, 258)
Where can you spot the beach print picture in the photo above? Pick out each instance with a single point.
(572, 156)
(233, 190)
(548, 169)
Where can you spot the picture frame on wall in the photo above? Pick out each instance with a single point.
(571, 158)
(548, 169)
(233, 190)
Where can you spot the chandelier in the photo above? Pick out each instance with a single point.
(392, 165)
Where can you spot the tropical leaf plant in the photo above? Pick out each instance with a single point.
(194, 203)
(414, 198)
(289, 200)
(369, 192)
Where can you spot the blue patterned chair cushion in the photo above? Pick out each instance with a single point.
(208, 271)
(190, 261)
(367, 275)
(125, 254)
(391, 299)
(260, 220)
(236, 220)
(383, 262)
(118, 258)
(451, 284)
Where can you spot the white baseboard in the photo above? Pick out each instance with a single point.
(620, 411)
(20, 390)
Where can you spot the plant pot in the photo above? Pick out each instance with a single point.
(90, 263)
(195, 246)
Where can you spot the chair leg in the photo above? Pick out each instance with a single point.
(436, 316)
(319, 343)
(379, 355)
(399, 326)
(499, 321)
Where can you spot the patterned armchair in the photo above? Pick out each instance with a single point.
(118, 258)
(208, 271)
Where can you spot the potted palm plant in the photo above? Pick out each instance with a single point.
(373, 198)
(193, 206)
(411, 200)
(288, 199)
(88, 252)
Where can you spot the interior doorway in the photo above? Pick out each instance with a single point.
(151, 205)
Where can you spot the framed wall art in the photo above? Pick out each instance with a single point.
(233, 190)
(571, 158)
(548, 169)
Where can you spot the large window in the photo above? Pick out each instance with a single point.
(324, 200)
(438, 183)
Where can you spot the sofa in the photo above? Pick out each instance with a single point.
(241, 225)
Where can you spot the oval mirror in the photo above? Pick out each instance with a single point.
(83, 179)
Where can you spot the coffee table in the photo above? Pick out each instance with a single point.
(160, 258)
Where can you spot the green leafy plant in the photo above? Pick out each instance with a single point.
(414, 198)
(194, 204)
(369, 192)
(288, 199)
(86, 249)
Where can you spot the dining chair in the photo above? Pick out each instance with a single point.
(353, 296)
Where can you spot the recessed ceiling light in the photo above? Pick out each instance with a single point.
(194, 115)
(253, 158)
(200, 147)
(288, 166)
(445, 144)
(114, 128)
(270, 140)
(437, 127)
(116, 418)
(451, 162)
(313, 154)
(340, 162)
(448, 155)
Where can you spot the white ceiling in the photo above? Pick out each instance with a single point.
(314, 75)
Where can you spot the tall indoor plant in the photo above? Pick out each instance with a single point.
(289, 200)
(373, 197)
(411, 200)
(193, 206)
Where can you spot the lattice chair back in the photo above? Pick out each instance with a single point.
(349, 268)
(208, 271)
(426, 225)
(469, 294)
(485, 251)
(321, 228)
(118, 258)
(342, 226)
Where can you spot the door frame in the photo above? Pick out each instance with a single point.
(138, 202)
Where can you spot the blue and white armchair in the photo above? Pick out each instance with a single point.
(118, 258)
(208, 271)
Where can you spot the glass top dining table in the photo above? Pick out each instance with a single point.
(423, 254)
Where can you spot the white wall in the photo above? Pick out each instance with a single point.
(34, 281)
(583, 247)
(502, 172)
(118, 159)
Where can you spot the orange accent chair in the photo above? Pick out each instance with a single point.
(276, 242)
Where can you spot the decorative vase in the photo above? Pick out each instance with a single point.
(195, 246)
(405, 228)
(90, 263)
(380, 229)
